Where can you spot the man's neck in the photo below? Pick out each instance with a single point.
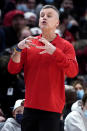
(50, 36)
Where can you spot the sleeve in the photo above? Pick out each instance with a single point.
(66, 60)
(14, 67)
(73, 122)
(7, 127)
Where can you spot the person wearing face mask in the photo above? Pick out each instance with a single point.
(14, 124)
(80, 94)
(77, 119)
(79, 87)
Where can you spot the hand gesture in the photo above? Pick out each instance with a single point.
(26, 43)
(48, 47)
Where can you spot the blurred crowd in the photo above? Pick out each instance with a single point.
(18, 20)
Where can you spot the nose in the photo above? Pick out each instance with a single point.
(45, 17)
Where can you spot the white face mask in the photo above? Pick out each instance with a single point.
(85, 113)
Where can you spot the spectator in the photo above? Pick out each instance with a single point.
(81, 55)
(73, 27)
(31, 5)
(11, 87)
(31, 19)
(67, 6)
(80, 88)
(71, 97)
(77, 119)
(62, 28)
(21, 5)
(14, 124)
(8, 35)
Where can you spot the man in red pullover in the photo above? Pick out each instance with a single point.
(46, 60)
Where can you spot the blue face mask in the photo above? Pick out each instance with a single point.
(85, 113)
(80, 94)
(19, 118)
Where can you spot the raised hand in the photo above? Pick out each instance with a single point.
(26, 43)
(48, 47)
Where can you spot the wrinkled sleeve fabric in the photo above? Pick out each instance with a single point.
(14, 67)
(8, 126)
(74, 122)
(67, 60)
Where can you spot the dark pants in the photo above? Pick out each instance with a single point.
(38, 120)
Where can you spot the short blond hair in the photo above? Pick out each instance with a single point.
(51, 6)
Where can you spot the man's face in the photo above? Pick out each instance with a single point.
(31, 22)
(18, 22)
(78, 87)
(31, 4)
(18, 110)
(68, 4)
(48, 19)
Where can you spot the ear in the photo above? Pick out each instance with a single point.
(57, 23)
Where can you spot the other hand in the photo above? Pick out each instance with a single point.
(26, 43)
(48, 47)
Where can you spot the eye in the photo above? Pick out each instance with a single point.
(42, 15)
(49, 16)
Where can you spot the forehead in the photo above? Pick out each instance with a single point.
(78, 85)
(19, 108)
(48, 10)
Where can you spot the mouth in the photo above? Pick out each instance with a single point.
(44, 22)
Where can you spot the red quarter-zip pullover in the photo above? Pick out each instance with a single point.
(44, 74)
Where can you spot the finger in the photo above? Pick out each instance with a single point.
(41, 40)
(44, 41)
(27, 41)
(30, 44)
(31, 37)
(25, 45)
(43, 52)
(41, 47)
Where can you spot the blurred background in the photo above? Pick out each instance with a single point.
(18, 20)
